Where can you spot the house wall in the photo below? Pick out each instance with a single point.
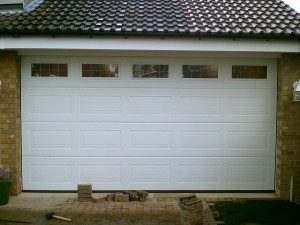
(10, 133)
(288, 127)
(288, 121)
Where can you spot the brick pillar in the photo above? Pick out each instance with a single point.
(288, 127)
(10, 137)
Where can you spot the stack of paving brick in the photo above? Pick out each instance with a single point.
(126, 196)
(84, 192)
(191, 210)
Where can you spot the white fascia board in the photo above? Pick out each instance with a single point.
(150, 44)
(10, 2)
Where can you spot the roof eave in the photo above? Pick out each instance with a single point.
(291, 36)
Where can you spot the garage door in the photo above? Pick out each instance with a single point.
(148, 123)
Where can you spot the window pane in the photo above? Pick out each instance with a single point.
(100, 70)
(249, 72)
(49, 70)
(200, 71)
(150, 71)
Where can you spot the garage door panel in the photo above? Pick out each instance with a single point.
(154, 134)
(48, 174)
(150, 173)
(100, 139)
(50, 139)
(102, 174)
(148, 139)
(138, 105)
(99, 105)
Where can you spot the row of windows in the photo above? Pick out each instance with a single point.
(141, 71)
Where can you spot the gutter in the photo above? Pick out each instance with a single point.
(158, 34)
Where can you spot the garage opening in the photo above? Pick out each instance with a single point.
(148, 123)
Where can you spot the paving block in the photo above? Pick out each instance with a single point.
(84, 191)
(120, 197)
(141, 199)
(191, 217)
(191, 205)
(133, 195)
(110, 197)
(84, 199)
(84, 187)
(98, 200)
(84, 195)
(187, 198)
(142, 194)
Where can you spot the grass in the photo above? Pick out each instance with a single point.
(276, 212)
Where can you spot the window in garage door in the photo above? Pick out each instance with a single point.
(200, 71)
(100, 70)
(150, 71)
(49, 70)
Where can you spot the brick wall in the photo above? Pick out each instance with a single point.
(288, 127)
(10, 142)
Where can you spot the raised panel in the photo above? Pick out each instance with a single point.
(99, 139)
(100, 105)
(151, 139)
(150, 105)
(49, 105)
(49, 139)
(248, 140)
(249, 106)
(197, 173)
(154, 173)
(100, 173)
(43, 173)
(195, 106)
(200, 140)
(247, 174)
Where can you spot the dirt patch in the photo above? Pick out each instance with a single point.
(38, 217)
(259, 212)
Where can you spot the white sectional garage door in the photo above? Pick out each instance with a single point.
(153, 134)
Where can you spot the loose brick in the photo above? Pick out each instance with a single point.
(84, 195)
(187, 198)
(133, 195)
(85, 187)
(195, 205)
(120, 197)
(110, 197)
(142, 194)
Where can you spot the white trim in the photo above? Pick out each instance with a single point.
(10, 2)
(146, 54)
(149, 44)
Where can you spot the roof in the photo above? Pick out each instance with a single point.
(200, 18)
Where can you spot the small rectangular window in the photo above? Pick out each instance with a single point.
(49, 70)
(100, 70)
(249, 72)
(200, 71)
(150, 71)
